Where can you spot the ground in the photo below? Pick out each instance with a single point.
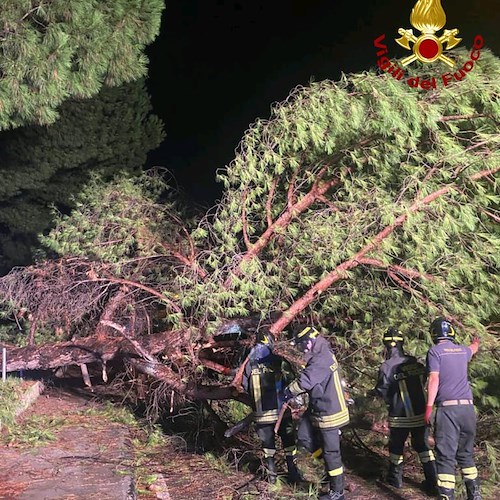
(160, 466)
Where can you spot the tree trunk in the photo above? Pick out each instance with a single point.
(85, 350)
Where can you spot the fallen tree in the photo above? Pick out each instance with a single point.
(358, 205)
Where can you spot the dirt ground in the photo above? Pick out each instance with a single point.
(193, 478)
(62, 447)
(168, 472)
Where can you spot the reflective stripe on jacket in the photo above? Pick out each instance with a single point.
(321, 380)
(264, 380)
(401, 381)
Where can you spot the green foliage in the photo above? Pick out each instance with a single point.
(10, 334)
(14, 328)
(230, 411)
(10, 393)
(44, 166)
(52, 51)
(493, 457)
(485, 376)
(359, 204)
(129, 218)
(133, 230)
(34, 431)
(218, 463)
(113, 413)
(379, 147)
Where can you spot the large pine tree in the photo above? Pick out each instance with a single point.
(46, 165)
(58, 49)
(359, 204)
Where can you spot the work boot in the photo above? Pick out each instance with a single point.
(294, 474)
(446, 493)
(336, 489)
(430, 473)
(473, 490)
(271, 470)
(332, 495)
(395, 475)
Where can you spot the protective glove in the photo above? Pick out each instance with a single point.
(427, 414)
(287, 395)
(297, 401)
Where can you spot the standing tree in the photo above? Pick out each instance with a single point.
(42, 166)
(53, 50)
(359, 203)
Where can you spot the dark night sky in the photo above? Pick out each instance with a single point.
(219, 64)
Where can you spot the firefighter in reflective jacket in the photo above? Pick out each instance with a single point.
(401, 382)
(327, 412)
(264, 379)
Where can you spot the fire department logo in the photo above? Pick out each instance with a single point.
(428, 17)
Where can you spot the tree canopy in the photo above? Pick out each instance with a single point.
(366, 200)
(46, 165)
(360, 204)
(57, 49)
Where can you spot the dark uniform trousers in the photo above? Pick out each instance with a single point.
(323, 442)
(397, 440)
(286, 432)
(318, 430)
(455, 431)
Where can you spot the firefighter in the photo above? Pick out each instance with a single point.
(401, 383)
(264, 379)
(455, 417)
(319, 428)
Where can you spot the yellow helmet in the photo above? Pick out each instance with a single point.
(393, 337)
